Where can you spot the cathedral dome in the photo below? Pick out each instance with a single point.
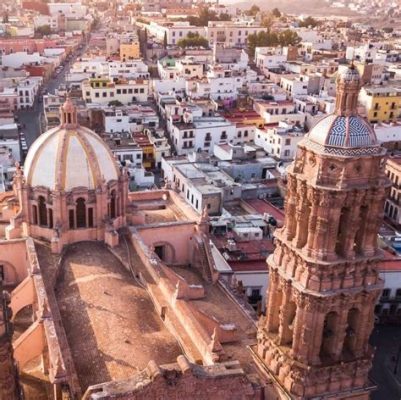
(69, 156)
(343, 131)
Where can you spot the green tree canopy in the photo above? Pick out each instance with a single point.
(253, 10)
(165, 40)
(193, 40)
(115, 103)
(206, 15)
(43, 30)
(270, 39)
(276, 12)
(308, 21)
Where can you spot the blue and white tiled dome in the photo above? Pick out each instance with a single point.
(343, 131)
(349, 74)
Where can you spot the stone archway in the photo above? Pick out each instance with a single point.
(165, 251)
(8, 273)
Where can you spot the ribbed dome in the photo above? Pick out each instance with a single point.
(343, 131)
(68, 157)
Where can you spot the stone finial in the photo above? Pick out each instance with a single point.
(204, 218)
(183, 363)
(59, 370)
(44, 310)
(215, 346)
(153, 369)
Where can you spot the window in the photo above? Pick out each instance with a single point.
(71, 219)
(50, 218)
(81, 212)
(398, 293)
(113, 204)
(97, 94)
(34, 215)
(104, 94)
(90, 217)
(386, 293)
(42, 211)
(287, 142)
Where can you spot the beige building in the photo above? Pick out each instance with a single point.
(392, 207)
(104, 90)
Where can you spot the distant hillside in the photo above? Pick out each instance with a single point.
(313, 7)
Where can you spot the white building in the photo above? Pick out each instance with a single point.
(231, 33)
(70, 10)
(173, 31)
(132, 120)
(270, 57)
(280, 142)
(20, 58)
(27, 90)
(201, 133)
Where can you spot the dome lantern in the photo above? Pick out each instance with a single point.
(68, 114)
(348, 86)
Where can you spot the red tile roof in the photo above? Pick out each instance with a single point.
(263, 206)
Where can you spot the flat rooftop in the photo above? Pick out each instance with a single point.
(111, 325)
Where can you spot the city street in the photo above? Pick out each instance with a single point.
(30, 120)
(387, 340)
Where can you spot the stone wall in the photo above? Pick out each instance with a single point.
(182, 380)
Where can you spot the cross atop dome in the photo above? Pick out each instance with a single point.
(68, 114)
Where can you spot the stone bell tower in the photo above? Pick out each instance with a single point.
(323, 274)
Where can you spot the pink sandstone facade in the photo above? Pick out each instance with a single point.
(123, 299)
(324, 281)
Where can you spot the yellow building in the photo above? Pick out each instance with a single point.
(129, 51)
(382, 103)
(148, 158)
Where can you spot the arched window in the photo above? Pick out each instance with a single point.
(34, 214)
(113, 201)
(42, 211)
(50, 218)
(351, 330)
(81, 212)
(328, 335)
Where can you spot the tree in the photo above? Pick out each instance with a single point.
(288, 38)
(308, 22)
(206, 15)
(276, 13)
(271, 38)
(193, 40)
(165, 40)
(43, 30)
(253, 10)
(267, 21)
(115, 103)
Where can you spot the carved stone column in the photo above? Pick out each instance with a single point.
(274, 303)
(284, 330)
